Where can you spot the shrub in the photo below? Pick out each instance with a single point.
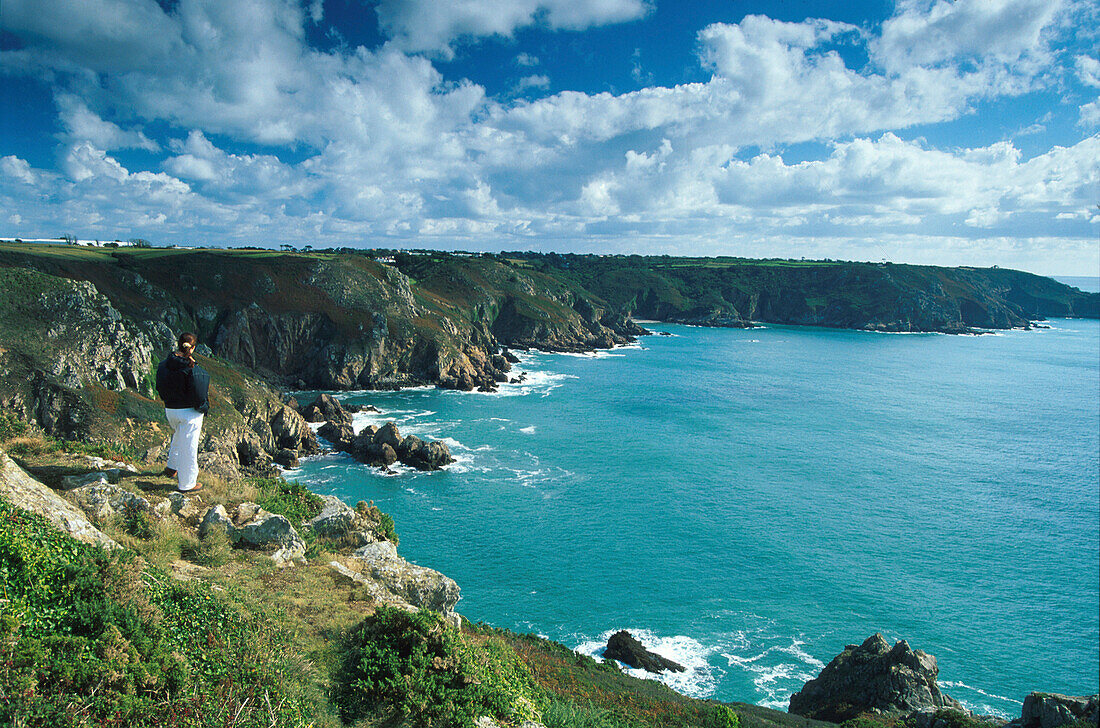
(293, 500)
(397, 665)
(91, 637)
(724, 717)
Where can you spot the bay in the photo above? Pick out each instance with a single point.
(751, 501)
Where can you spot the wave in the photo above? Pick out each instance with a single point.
(982, 707)
(699, 679)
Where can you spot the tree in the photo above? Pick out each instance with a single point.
(140, 243)
(69, 239)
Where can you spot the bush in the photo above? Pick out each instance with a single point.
(293, 500)
(724, 717)
(567, 714)
(397, 665)
(92, 637)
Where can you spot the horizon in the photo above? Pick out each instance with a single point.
(927, 132)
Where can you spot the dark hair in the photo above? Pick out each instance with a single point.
(187, 341)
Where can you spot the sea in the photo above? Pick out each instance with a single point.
(748, 502)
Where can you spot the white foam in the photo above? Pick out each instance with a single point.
(529, 430)
(699, 679)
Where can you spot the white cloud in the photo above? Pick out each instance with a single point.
(1088, 70)
(14, 168)
(82, 124)
(526, 60)
(1089, 115)
(536, 81)
(427, 25)
(923, 33)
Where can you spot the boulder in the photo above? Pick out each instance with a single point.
(873, 677)
(101, 500)
(1049, 710)
(339, 521)
(23, 491)
(390, 579)
(340, 435)
(388, 435)
(185, 508)
(286, 458)
(622, 646)
(99, 477)
(266, 530)
(216, 519)
(330, 410)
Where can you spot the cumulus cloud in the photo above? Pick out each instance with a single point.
(344, 143)
(82, 124)
(427, 25)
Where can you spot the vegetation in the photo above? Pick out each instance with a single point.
(414, 667)
(293, 500)
(90, 637)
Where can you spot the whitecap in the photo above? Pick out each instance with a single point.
(699, 679)
(529, 430)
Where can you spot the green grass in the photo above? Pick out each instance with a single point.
(90, 637)
(292, 500)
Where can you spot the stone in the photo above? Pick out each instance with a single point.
(342, 436)
(625, 648)
(387, 455)
(1050, 710)
(23, 491)
(101, 500)
(186, 508)
(873, 677)
(390, 579)
(286, 458)
(265, 530)
(100, 477)
(216, 519)
(339, 521)
(330, 410)
(388, 435)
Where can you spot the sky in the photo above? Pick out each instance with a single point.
(948, 132)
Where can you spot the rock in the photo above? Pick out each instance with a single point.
(340, 435)
(23, 491)
(265, 530)
(622, 646)
(313, 413)
(873, 677)
(388, 435)
(387, 455)
(101, 500)
(392, 580)
(109, 465)
(216, 519)
(184, 507)
(286, 458)
(69, 482)
(330, 410)
(339, 521)
(1049, 710)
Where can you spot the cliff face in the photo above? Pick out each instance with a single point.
(882, 297)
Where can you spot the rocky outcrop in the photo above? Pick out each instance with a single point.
(625, 648)
(253, 527)
(344, 525)
(379, 446)
(23, 491)
(1049, 710)
(390, 579)
(873, 677)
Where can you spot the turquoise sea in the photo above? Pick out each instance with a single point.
(751, 501)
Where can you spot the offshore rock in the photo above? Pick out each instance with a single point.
(623, 646)
(326, 409)
(875, 678)
(1049, 710)
(23, 491)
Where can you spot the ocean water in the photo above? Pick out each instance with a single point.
(748, 502)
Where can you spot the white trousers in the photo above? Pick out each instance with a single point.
(183, 453)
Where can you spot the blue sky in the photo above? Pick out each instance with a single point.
(953, 132)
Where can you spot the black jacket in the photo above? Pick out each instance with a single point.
(183, 386)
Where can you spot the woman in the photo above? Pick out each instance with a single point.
(184, 387)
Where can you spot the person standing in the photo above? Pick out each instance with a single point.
(184, 386)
